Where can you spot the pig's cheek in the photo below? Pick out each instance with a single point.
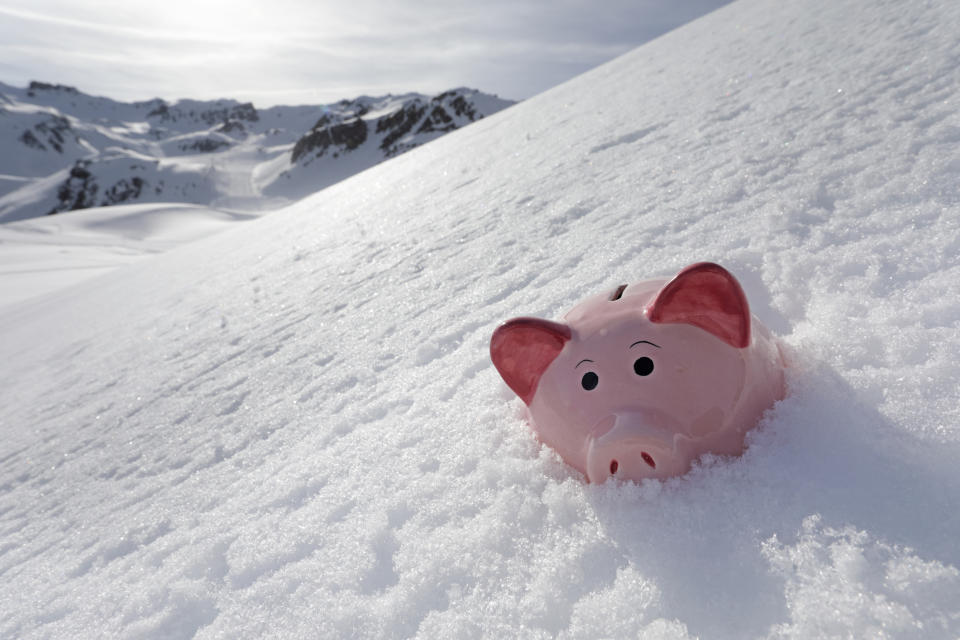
(559, 418)
(707, 423)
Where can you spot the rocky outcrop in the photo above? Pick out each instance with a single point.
(399, 124)
(78, 191)
(122, 178)
(233, 127)
(36, 87)
(410, 123)
(51, 133)
(166, 113)
(204, 145)
(325, 135)
(459, 104)
(124, 190)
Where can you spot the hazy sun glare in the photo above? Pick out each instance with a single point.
(296, 51)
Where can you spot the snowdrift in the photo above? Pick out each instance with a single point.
(292, 429)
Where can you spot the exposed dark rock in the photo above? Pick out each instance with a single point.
(49, 133)
(438, 120)
(462, 107)
(204, 145)
(346, 135)
(325, 120)
(161, 111)
(398, 130)
(31, 140)
(78, 191)
(79, 170)
(232, 126)
(143, 104)
(124, 190)
(399, 124)
(36, 85)
(246, 112)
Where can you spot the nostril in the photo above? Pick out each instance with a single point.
(614, 465)
(648, 459)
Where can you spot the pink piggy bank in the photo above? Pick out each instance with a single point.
(639, 382)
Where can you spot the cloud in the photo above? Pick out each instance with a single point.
(296, 50)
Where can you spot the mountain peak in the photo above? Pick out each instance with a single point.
(68, 150)
(37, 86)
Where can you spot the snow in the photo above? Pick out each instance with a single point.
(62, 150)
(41, 256)
(292, 428)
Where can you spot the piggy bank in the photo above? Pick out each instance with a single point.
(638, 382)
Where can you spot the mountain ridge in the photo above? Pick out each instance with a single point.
(67, 150)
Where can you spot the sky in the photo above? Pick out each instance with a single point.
(305, 51)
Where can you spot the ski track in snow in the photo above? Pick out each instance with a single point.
(292, 429)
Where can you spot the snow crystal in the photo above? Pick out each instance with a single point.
(838, 580)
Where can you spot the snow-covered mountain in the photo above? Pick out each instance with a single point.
(363, 132)
(64, 150)
(292, 428)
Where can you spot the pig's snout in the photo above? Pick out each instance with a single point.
(632, 446)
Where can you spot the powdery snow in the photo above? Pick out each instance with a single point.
(41, 256)
(292, 429)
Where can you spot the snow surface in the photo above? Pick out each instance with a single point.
(40, 256)
(292, 429)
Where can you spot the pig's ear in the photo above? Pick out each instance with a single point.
(523, 348)
(707, 296)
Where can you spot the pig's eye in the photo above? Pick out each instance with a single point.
(589, 380)
(643, 366)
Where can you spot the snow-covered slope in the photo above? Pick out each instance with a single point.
(62, 150)
(292, 429)
(42, 255)
(35, 142)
